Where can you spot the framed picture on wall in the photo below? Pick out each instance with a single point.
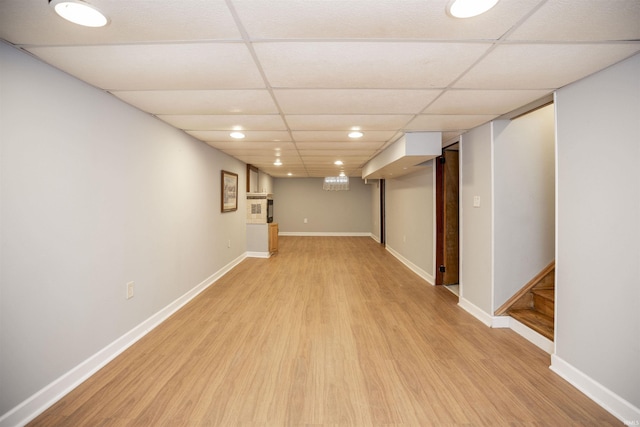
(229, 191)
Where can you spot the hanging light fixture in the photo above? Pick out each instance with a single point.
(79, 12)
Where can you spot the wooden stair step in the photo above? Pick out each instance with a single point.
(539, 322)
(549, 294)
(544, 301)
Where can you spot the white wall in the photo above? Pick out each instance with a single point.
(598, 231)
(95, 194)
(524, 200)
(410, 219)
(265, 183)
(476, 224)
(327, 212)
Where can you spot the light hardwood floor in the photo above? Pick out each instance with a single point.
(330, 331)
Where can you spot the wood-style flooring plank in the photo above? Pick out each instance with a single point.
(331, 331)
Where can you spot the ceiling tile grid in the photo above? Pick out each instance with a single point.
(297, 75)
(201, 101)
(171, 66)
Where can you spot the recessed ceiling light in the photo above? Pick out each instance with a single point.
(356, 134)
(469, 8)
(338, 163)
(79, 12)
(342, 173)
(237, 135)
(289, 174)
(277, 162)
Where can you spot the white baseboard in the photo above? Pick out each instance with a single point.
(531, 336)
(47, 396)
(499, 322)
(475, 311)
(508, 322)
(617, 406)
(324, 233)
(614, 404)
(420, 272)
(258, 255)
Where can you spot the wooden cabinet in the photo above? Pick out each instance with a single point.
(273, 237)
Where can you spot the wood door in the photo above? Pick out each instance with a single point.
(447, 218)
(273, 237)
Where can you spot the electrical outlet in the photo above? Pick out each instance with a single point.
(305, 220)
(130, 286)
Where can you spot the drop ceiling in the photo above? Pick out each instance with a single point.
(297, 76)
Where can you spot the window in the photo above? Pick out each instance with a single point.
(336, 183)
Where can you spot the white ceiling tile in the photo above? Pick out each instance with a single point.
(354, 101)
(337, 152)
(365, 146)
(166, 67)
(483, 101)
(255, 136)
(297, 171)
(380, 19)
(588, 20)
(226, 122)
(542, 66)
(380, 65)
(341, 136)
(33, 22)
(366, 64)
(435, 122)
(201, 101)
(327, 163)
(331, 157)
(270, 159)
(236, 152)
(346, 122)
(260, 146)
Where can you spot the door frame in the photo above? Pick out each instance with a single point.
(383, 238)
(439, 219)
(441, 226)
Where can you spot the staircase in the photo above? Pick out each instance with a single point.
(534, 304)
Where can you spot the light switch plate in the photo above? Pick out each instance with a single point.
(130, 286)
(476, 201)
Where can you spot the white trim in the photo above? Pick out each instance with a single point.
(374, 237)
(326, 233)
(556, 248)
(47, 396)
(420, 272)
(500, 322)
(492, 168)
(258, 254)
(507, 322)
(460, 220)
(532, 336)
(475, 311)
(614, 404)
